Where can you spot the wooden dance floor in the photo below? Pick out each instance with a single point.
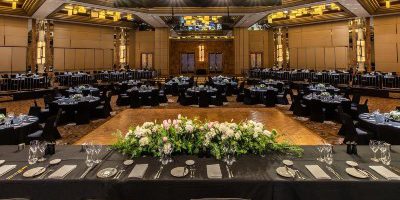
(290, 129)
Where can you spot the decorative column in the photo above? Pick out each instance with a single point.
(32, 46)
(285, 48)
(122, 44)
(278, 48)
(359, 43)
(41, 44)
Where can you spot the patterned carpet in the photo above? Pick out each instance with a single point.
(327, 130)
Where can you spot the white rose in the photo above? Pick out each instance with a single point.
(267, 133)
(189, 128)
(144, 141)
(257, 130)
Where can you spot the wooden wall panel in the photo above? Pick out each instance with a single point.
(5, 61)
(15, 32)
(317, 38)
(59, 60)
(145, 43)
(293, 58)
(80, 59)
(18, 61)
(70, 59)
(89, 59)
(259, 43)
(108, 58)
(387, 43)
(320, 58)
(341, 57)
(99, 58)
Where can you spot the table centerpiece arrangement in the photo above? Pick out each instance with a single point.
(195, 137)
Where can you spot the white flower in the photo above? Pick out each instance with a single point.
(238, 135)
(257, 130)
(267, 133)
(144, 141)
(179, 116)
(255, 135)
(189, 128)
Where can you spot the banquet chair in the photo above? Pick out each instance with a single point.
(103, 110)
(240, 93)
(35, 111)
(217, 100)
(355, 100)
(353, 133)
(249, 98)
(123, 99)
(85, 92)
(362, 108)
(185, 100)
(282, 97)
(317, 112)
(153, 99)
(82, 114)
(299, 109)
(134, 99)
(203, 99)
(47, 133)
(162, 97)
(270, 98)
(3, 111)
(7, 136)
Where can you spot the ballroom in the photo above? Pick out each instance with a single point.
(199, 99)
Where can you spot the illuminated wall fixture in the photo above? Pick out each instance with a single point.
(303, 12)
(359, 25)
(201, 53)
(41, 45)
(13, 4)
(278, 48)
(205, 23)
(387, 3)
(96, 13)
(122, 48)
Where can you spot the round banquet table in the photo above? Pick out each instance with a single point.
(131, 83)
(330, 105)
(70, 105)
(260, 91)
(22, 127)
(76, 90)
(195, 91)
(389, 131)
(319, 90)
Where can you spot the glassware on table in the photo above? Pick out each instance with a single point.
(374, 145)
(33, 152)
(97, 149)
(229, 154)
(320, 149)
(42, 150)
(89, 154)
(328, 158)
(385, 154)
(166, 150)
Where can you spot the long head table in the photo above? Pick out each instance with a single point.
(254, 178)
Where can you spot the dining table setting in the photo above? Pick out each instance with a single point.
(100, 172)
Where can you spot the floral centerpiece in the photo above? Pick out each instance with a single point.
(82, 87)
(262, 86)
(394, 115)
(320, 85)
(77, 96)
(325, 94)
(194, 137)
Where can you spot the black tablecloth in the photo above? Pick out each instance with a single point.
(255, 178)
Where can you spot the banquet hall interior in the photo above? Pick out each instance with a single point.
(239, 87)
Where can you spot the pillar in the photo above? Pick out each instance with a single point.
(241, 43)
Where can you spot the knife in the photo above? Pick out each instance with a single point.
(229, 173)
(86, 172)
(17, 172)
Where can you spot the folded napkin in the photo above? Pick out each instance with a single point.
(6, 168)
(383, 171)
(214, 171)
(138, 171)
(62, 172)
(317, 172)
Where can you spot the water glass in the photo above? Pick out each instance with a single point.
(374, 145)
(89, 157)
(229, 154)
(42, 150)
(385, 154)
(33, 152)
(328, 158)
(97, 149)
(320, 149)
(166, 152)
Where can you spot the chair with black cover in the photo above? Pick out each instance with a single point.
(185, 100)
(317, 112)
(282, 97)
(153, 99)
(47, 133)
(203, 99)
(362, 108)
(355, 100)
(299, 109)
(82, 115)
(353, 133)
(279, 86)
(34, 111)
(7, 136)
(103, 110)
(85, 92)
(240, 93)
(134, 99)
(270, 98)
(3, 111)
(162, 97)
(217, 100)
(47, 98)
(249, 98)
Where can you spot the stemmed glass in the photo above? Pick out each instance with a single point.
(374, 145)
(328, 158)
(386, 157)
(165, 152)
(89, 154)
(97, 149)
(229, 154)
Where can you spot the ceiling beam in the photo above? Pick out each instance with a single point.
(47, 8)
(355, 7)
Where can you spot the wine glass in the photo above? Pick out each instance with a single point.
(32, 153)
(89, 156)
(386, 157)
(373, 144)
(97, 149)
(328, 158)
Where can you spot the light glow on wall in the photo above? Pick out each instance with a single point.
(201, 53)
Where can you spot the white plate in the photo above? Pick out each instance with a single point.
(189, 162)
(55, 161)
(355, 173)
(107, 173)
(34, 172)
(2, 161)
(283, 171)
(287, 162)
(128, 162)
(179, 171)
(352, 163)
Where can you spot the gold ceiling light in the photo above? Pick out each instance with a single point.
(129, 17)
(300, 12)
(387, 3)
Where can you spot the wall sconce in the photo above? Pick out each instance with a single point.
(41, 43)
(387, 3)
(360, 51)
(201, 53)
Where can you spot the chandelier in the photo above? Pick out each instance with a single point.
(97, 13)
